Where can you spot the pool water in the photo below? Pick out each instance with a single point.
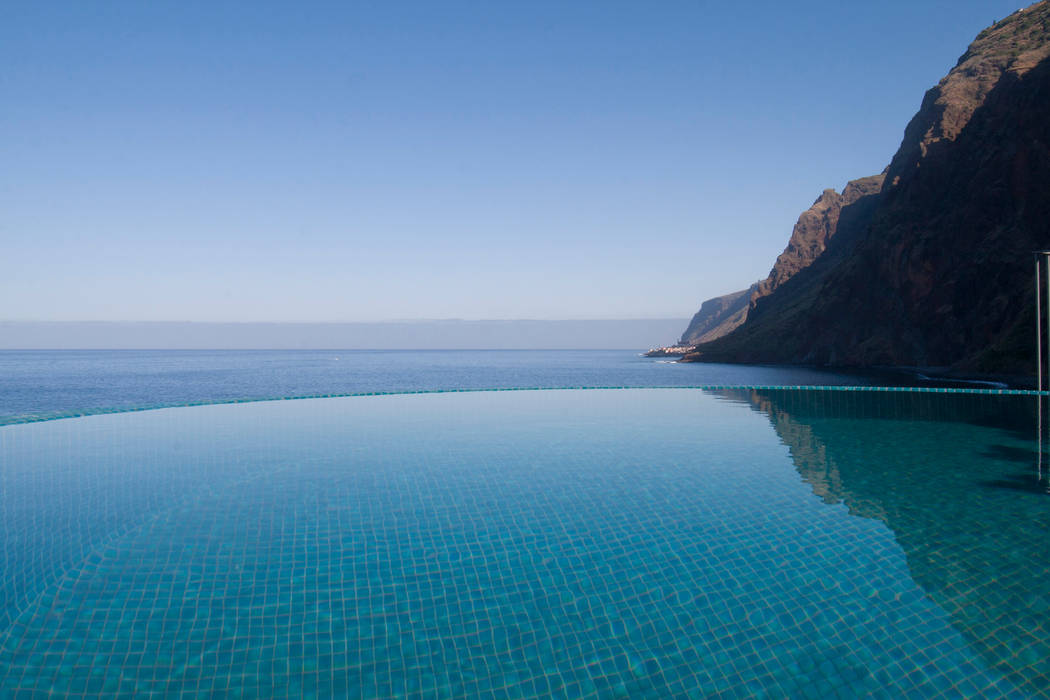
(605, 544)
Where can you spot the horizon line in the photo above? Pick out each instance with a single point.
(395, 320)
(247, 349)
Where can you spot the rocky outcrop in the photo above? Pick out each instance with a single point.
(1008, 49)
(936, 269)
(813, 231)
(718, 316)
(809, 239)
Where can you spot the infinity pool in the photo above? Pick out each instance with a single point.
(602, 544)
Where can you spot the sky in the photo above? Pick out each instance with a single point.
(366, 161)
(609, 334)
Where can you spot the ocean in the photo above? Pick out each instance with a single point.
(37, 384)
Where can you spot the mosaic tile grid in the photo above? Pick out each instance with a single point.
(970, 514)
(547, 544)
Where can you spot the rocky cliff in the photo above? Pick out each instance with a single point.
(809, 239)
(813, 232)
(718, 317)
(935, 269)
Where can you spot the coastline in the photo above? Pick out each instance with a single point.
(908, 376)
(670, 351)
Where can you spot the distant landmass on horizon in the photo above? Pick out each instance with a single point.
(394, 335)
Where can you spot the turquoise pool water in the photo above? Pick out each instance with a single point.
(606, 544)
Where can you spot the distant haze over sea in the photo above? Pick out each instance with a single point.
(393, 335)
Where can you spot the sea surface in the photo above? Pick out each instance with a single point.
(49, 383)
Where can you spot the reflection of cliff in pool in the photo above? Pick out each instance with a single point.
(955, 478)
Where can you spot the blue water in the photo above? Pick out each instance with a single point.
(566, 544)
(50, 382)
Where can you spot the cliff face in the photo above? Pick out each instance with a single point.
(813, 231)
(1008, 49)
(718, 317)
(809, 239)
(935, 270)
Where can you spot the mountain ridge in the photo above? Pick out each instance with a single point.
(935, 268)
(809, 239)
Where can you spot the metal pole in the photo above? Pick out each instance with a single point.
(1047, 255)
(1038, 329)
(1039, 356)
(1039, 440)
(1039, 363)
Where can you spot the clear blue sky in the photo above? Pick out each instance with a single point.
(219, 161)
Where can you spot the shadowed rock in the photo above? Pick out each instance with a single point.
(936, 269)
